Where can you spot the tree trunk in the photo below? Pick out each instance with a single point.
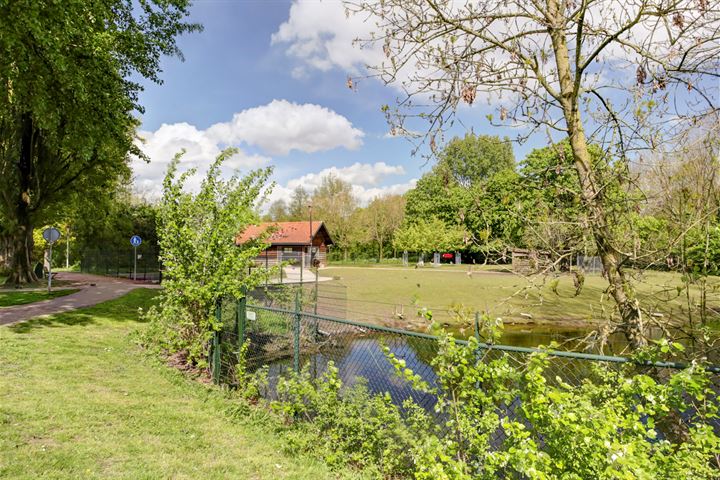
(593, 198)
(5, 251)
(21, 270)
(22, 233)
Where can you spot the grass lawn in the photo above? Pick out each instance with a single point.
(10, 298)
(79, 400)
(378, 291)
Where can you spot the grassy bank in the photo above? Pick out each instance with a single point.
(79, 400)
(378, 291)
(10, 298)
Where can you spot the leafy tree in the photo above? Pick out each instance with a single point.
(555, 218)
(278, 212)
(298, 208)
(475, 158)
(497, 216)
(472, 185)
(379, 220)
(560, 67)
(66, 114)
(200, 258)
(427, 236)
(334, 203)
(437, 194)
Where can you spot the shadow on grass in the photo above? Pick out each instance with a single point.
(10, 298)
(123, 309)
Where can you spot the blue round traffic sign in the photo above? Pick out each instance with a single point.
(135, 240)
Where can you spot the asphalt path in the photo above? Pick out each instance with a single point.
(94, 289)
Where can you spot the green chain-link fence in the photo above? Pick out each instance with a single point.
(283, 340)
(119, 263)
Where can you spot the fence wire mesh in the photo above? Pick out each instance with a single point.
(120, 263)
(285, 336)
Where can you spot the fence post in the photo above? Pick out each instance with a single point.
(477, 326)
(477, 349)
(241, 316)
(296, 333)
(216, 344)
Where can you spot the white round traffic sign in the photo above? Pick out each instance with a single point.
(51, 235)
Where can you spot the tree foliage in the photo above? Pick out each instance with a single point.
(428, 236)
(377, 223)
(475, 158)
(471, 185)
(560, 67)
(201, 261)
(298, 206)
(334, 203)
(66, 115)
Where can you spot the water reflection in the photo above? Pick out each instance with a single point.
(361, 360)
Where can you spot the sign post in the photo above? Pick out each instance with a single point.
(135, 241)
(51, 236)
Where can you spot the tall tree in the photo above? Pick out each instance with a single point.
(334, 203)
(563, 67)
(298, 208)
(278, 212)
(67, 109)
(457, 190)
(430, 235)
(474, 158)
(380, 219)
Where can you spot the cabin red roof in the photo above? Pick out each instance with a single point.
(286, 233)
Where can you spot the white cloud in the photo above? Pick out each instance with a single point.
(364, 178)
(366, 195)
(200, 150)
(322, 35)
(276, 128)
(282, 126)
(359, 174)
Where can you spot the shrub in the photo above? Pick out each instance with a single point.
(201, 262)
(507, 421)
(350, 425)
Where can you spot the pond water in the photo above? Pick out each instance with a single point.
(360, 359)
(575, 340)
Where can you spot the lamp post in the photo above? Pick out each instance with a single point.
(312, 262)
(311, 235)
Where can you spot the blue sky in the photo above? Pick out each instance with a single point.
(279, 70)
(269, 77)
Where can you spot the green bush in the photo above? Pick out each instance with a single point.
(509, 420)
(622, 424)
(349, 426)
(201, 262)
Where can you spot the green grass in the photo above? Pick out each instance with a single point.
(79, 400)
(379, 292)
(11, 298)
(40, 284)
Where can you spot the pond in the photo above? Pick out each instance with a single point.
(361, 360)
(577, 340)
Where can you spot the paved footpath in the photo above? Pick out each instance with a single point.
(94, 289)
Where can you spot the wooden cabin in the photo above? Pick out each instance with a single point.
(290, 242)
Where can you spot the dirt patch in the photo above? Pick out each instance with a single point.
(180, 361)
